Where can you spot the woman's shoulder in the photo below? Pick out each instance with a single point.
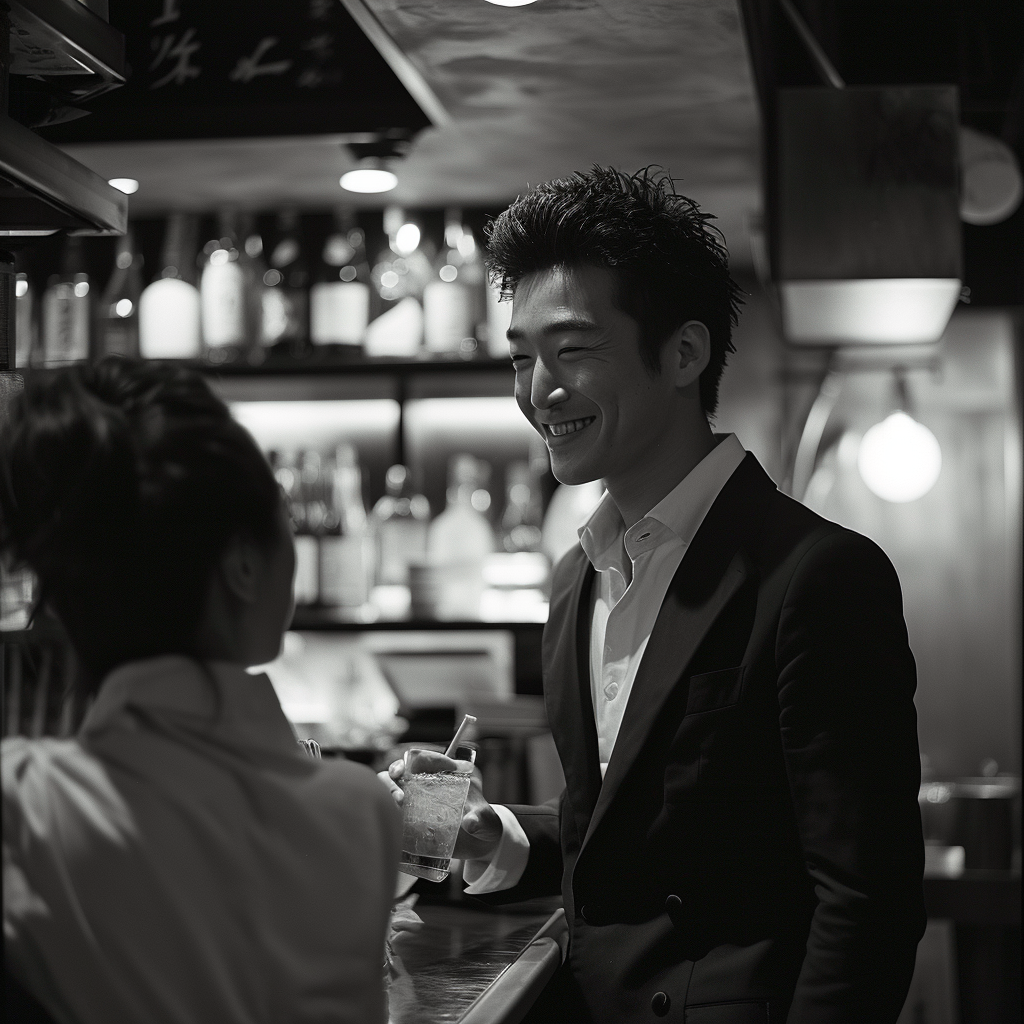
(355, 788)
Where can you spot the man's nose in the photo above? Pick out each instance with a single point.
(545, 390)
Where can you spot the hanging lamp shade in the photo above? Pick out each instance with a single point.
(865, 223)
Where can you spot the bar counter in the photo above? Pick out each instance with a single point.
(473, 965)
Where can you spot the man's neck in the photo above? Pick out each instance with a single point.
(636, 493)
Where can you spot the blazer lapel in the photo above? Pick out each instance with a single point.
(712, 570)
(566, 659)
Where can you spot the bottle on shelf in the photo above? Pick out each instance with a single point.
(25, 342)
(169, 318)
(460, 539)
(344, 542)
(251, 258)
(399, 521)
(223, 294)
(287, 469)
(309, 525)
(67, 310)
(399, 277)
(449, 299)
(285, 291)
(117, 315)
(339, 301)
(523, 516)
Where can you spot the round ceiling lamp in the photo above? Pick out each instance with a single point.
(899, 459)
(510, 3)
(129, 186)
(368, 180)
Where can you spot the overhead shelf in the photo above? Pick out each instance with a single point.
(66, 39)
(43, 190)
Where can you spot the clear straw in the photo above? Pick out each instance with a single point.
(453, 746)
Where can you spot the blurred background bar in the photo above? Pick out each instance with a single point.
(863, 161)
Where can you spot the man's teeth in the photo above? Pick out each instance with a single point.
(569, 427)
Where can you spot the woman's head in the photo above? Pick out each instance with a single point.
(128, 488)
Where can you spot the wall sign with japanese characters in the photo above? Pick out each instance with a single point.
(234, 68)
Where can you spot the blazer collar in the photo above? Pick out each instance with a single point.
(712, 570)
(566, 661)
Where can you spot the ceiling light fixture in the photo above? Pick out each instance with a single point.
(368, 180)
(510, 3)
(129, 186)
(899, 459)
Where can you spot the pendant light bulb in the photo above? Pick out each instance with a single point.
(899, 459)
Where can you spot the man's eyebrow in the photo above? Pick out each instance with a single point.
(566, 325)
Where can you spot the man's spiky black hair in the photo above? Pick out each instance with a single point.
(671, 264)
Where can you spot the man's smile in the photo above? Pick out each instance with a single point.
(567, 426)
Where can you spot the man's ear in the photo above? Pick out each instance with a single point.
(689, 352)
(240, 566)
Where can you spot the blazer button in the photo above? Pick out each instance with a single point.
(660, 1003)
(585, 914)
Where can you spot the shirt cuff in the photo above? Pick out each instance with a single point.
(506, 864)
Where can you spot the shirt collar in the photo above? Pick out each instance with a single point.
(676, 518)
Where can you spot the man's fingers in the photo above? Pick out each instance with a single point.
(396, 791)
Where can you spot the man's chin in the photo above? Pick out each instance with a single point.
(573, 475)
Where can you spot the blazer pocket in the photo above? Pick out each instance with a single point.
(741, 1012)
(710, 691)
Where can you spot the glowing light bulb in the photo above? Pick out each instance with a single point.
(899, 459)
(407, 238)
(129, 186)
(124, 307)
(368, 179)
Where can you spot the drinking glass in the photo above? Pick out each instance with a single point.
(432, 811)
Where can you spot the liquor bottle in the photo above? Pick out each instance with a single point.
(67, 310)
(400, 521)
(460, 539)
(285, 292)
(222, 294)
(251, 259)
(169, 319)
(449, 302)
(25, 341)
(117, 316)
(344, 543)
(340, 300)
(308, 521)
(523, 516)
(399, 276)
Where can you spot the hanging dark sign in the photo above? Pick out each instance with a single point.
(204, 69)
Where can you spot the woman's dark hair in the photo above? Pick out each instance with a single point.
(120, 486)
(671, 265)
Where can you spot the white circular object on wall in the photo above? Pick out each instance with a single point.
(899, 459)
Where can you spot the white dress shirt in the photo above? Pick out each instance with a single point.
(634, 569)
(182, 860)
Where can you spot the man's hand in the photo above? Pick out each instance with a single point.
(481, 827)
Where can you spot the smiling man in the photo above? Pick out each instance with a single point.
(727, 675)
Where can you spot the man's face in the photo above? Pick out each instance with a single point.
(580, 380)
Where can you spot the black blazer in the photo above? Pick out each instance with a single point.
(754, 852)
